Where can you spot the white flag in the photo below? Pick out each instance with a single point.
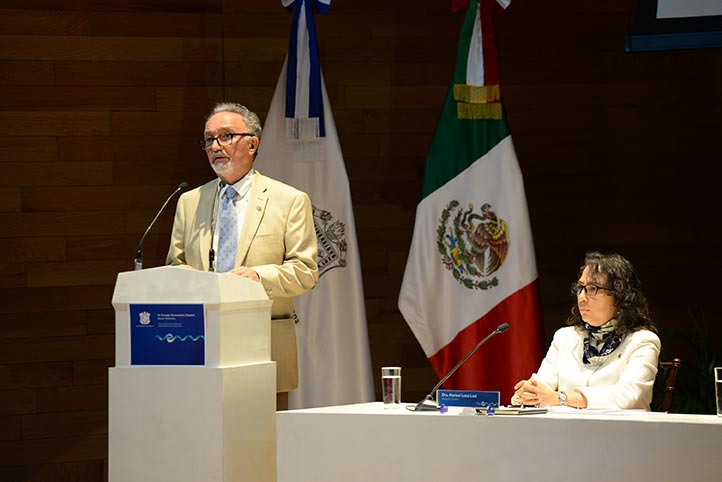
(333, 349)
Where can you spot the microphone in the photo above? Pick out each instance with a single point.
(212, 252)
(428, 404)
(139, 253)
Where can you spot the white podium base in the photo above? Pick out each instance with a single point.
(192, 423)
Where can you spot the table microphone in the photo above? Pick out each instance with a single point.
(139, 253)
(427, 404)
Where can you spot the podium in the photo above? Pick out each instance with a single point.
(212, 420)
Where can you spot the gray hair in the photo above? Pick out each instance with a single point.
(249, 117)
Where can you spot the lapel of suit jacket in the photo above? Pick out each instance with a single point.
(204, 220)
(257, 202)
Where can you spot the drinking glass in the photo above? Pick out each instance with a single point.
(391, 386)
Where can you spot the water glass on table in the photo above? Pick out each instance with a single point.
(391, 386)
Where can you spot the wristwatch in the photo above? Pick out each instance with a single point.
(562, 399)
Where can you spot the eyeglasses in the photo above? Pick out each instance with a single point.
(225, 139)
(590, 289)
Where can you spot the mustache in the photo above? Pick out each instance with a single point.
(220, 154)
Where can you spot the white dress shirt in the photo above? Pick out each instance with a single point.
(242, 187)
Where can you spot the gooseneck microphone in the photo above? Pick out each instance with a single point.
(212, 251)
(428, 404)
(139, 253)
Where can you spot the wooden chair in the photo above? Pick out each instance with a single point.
(671, 368)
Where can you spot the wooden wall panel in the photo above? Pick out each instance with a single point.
(65, 47)
(39, 350)
(102, 102)
(113, 6)
(102, 320)
(35, 375)
(50, 324)
(17, 401)
(55, 173)
(91, 372)
(10, 199)
(137, 222)
(24, 123)
(124, 24)
(56, 472)
(77, 98)
(254, 50)
(93, 198)
(66, 298)
(74, 273)
(13, 149)
(146, 123)
(195, 99)
(54, 450)
(107, 247)
(47, 223)
(12, 275)
(149, 147)
(142, 74)
(77, 397)
(241, 74)
(195, 167)
(10, 427)
(53, 425)
(21, 72)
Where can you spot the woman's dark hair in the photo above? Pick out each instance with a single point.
(617, 274)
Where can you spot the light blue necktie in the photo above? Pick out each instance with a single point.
(228, 232)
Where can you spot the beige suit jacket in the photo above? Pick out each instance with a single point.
(278, 241)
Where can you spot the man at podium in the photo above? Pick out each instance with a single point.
(250, 225)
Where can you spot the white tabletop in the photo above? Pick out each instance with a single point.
(366, 442)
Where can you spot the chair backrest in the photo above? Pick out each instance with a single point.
(671, 368)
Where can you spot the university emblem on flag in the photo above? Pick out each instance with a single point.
(331, 237)
(472, 245)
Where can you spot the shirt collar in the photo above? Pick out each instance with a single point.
(242, 186)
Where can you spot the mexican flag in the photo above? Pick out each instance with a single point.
(471, 264)
(300, 147)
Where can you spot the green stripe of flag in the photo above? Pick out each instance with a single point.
(457, 144)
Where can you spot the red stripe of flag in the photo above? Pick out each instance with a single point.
(512, 355)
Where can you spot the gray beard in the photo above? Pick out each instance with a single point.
(225, 168)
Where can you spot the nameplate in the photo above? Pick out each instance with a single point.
(467, 398)
(167, 334)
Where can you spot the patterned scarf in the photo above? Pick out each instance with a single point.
(600, 342)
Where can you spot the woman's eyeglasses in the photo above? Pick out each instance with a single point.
(590, 289)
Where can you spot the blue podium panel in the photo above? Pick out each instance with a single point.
(167, 334)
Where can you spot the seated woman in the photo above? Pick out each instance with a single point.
(607, 358)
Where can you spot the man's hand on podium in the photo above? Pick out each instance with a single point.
(246, 273)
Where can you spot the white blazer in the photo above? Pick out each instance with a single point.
(623, 381)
